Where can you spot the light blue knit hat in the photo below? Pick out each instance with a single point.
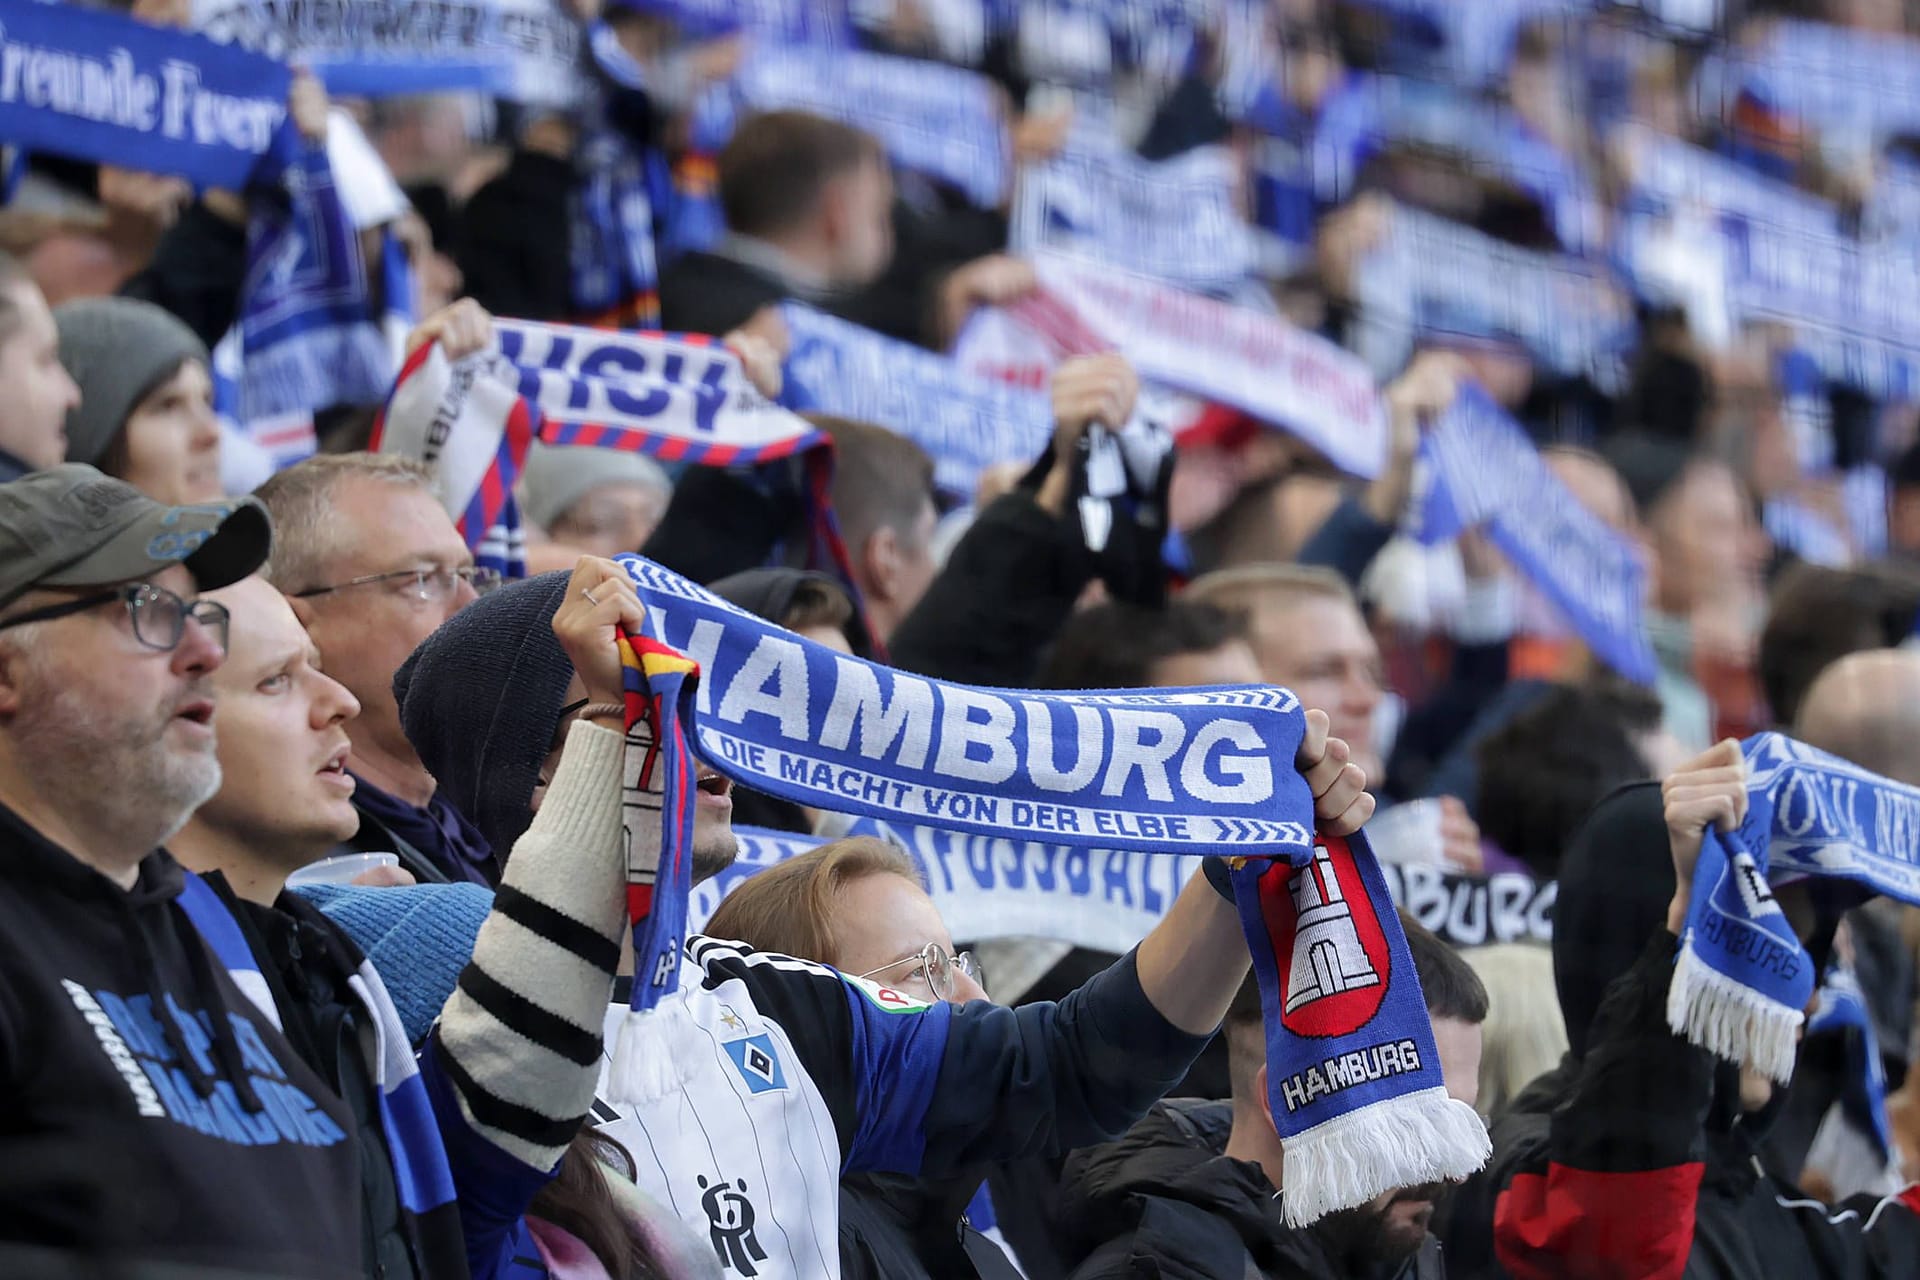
(419, 937)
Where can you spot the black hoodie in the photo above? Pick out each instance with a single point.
(1633, 1157)
(1164, 1202)
(198, 1139)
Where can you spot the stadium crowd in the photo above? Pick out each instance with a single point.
(540, 541)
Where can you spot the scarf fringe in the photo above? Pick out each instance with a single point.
(1731, 1020)
(1398, 1142)
(647, 1065)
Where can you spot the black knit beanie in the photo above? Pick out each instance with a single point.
(480, 700)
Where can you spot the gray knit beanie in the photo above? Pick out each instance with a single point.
(557, 476)
(480, 700)
(118, 350)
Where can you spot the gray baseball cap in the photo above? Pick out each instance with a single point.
(70, 526)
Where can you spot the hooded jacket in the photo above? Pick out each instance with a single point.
(1163, 1202)
(1633, 1158)
(148, 1111)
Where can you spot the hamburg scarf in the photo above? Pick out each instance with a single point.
(1356, 1087)
(679, 398)
(420, 1172)
(1742, 979)
(1481, 468)
(1842, 1008)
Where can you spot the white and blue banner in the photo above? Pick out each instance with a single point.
(1850, 305)
(1858, 87)
(943, 122)
(1433, 278)
(1088, 42)
(96, 86)
(1667, 176)
(965, 423)
(989, 888)
(1480, 468)
(1260, 364)
(1177, 220)
(526, 50)
(1371, 113)
(815, 22)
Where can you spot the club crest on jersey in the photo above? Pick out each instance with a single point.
(1340, 964)
(885, 999)
(757, 1062)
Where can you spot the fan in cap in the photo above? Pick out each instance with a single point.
(70, 526)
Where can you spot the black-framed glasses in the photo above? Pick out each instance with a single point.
(938, 967)
(427, 585)
(159, 616)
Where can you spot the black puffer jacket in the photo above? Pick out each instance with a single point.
(1164, 1202)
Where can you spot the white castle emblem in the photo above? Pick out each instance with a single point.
(1327, 955)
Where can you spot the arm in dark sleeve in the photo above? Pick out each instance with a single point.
(1348, 542)
(515, 243)
(196, 272)
(1005, 591)
(1613, 1192)
(1037, 1080)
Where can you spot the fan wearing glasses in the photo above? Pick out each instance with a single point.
(858, 905)
(372, 565)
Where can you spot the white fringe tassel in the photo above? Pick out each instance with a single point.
(1731, 1020)
(646, 1065)
(1402, 1142)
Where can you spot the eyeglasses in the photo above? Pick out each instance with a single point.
(159, 616)
(938, 967)
(425, 585)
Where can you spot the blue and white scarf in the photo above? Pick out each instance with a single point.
(1087, 42)
(1464, 44)
(966, 424)
(990, 887)
(420, 1173)
(1480, 468)
(815, 22)
(1742, 980)
(101, 87)
(1176, 220)
(1434, 278)
(1357, 1094)
(1842, 1007)
(679, 398)
(525, 50)
(943, 122)
(310, 335)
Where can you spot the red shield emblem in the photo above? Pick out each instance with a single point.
(1328, 942)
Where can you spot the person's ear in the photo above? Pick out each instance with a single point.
(880, 564)
(12, 676)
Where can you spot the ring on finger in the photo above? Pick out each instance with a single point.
(588, 593)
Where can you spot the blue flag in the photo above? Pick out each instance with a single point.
(1482, 469)
(100, 87)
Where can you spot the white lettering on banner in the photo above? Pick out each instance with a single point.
(530, 49)
(106, 89)
(1362, 1066)
(1257, 363)
(1474, 911)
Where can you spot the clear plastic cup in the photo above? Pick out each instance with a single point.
(343, 869)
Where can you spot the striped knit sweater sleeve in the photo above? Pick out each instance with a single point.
(520, 1037)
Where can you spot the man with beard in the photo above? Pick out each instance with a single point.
(151, 1112)
(1193, 1189)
